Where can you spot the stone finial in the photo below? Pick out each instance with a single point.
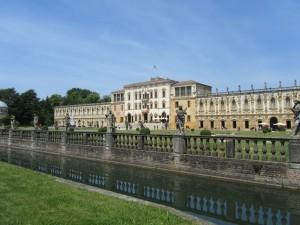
(295, 83)
(266, 86)
(280, 84)
(35, 121)
(217, 90)
(252, 87)
(12, 122)
(239, 87)
(227, 89)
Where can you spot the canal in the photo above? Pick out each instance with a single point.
(236, 203)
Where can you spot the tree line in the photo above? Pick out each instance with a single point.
(24, 105)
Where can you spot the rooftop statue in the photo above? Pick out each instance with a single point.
(180, 120)
(296, 111)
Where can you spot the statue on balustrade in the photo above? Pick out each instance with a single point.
(180, 120)
(111, 120)
(296, 111)
(141, 125)
(67, 122)
(12, 122)
(35, 121)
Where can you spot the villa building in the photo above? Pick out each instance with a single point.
(155, 102)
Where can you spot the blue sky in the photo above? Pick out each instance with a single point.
(52, 46)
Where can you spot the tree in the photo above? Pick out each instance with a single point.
(27, 105)
(56, 100)
(106, 98)
(78, 96)
(10, 97)
(46, 113)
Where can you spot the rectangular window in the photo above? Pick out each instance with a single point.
(177, 91)
(182, 91)
(288, 124)
(189, 104)
(223, 124)
(128, 96)
(247, 124)
(140, 106)
(188, 119)
(164, 93)
(234, 124)
(155, 105)
(140, 95)
(212, 125)
(164, 105)
(135, 96)
(188, 90)
(121, 119)
(151, 94)
(155, 94)
(176, 104)
(201, 124)
(135, 106)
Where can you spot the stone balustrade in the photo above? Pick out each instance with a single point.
(247, 148)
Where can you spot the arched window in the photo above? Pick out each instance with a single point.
(233, 105)
(259, 103)
(222, 105)
(246, 104)
(287, 102)
(272, 103)
(211, 106)
(201, 106)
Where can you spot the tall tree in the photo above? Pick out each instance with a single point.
(28, 104)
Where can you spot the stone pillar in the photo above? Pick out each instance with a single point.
(179, 144)
(230, 148)
(33, 140)
(141, 141)
(109, 141)
(179, 147)
(64, 141)
(294, 150)
(9, 146)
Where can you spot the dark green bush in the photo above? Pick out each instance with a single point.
(45, 128)
(102, 129)
(192, 129)
(5, 120)
(205, 133)
(145, 131)
(137, 129)
(187, 127)
(71, 129)
(266, 130)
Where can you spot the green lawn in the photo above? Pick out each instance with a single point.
(28, 197)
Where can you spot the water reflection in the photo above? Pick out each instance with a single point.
(230, 202)
(261, 216)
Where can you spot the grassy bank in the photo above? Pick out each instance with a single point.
(27, 197)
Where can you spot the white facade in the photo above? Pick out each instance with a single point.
(148, 101)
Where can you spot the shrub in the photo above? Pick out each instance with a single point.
(187, 127)
(192, 129)
(145, 131)
(102, 129)
(205, 133)
(5, 121)
(137, 129)
(45, 128)
(266, 130)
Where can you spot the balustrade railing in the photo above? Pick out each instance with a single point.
(254, 148)
(159, 143)
(247, 148)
